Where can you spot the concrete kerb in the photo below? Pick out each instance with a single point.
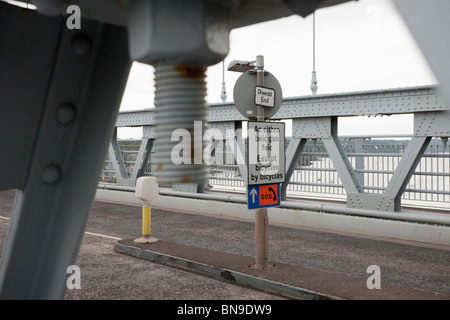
(368, 226)
(223, 274)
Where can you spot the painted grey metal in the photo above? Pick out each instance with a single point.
(359, 161)
(148, 132)
(19, 111)
(188, 187)
(239, 150)
(312, 117)
(343, 165)
(143, 151)
(311, 128)
(431, 218)
(375, 102)
(409, 216)
(72, 130)
(293, 152)
(239, 13)
(406, 167)
(371, 201)
(432, 124)
(116, 157)
(143, 158)
(136, 118)
(74, 101)
(195, 35)
(223, 127)
(195, 32)
(341, 161)
(181, 118)
(124, 177)
(425, 181)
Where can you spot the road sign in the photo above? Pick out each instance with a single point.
(264, 96)
(266, 156)
(244, 94)
(263, 196)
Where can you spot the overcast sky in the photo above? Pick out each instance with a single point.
(360, 45)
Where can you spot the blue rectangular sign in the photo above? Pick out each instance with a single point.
(263, 196)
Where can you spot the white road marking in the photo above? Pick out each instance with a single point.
(86, 232)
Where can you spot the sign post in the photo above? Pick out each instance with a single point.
(266, 165)
(266, 156)
(261, 216)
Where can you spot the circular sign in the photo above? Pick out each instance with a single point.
(244, 94)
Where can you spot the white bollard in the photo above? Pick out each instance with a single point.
(146, 191)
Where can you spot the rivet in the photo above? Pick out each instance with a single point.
(81, 44)
(65, 113)
(51, 174)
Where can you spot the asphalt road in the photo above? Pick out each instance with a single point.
(107, 275)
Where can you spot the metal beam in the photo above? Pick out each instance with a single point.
(406, 168)
(293, 151)
(237, 145)
(341, 162)
(115, 155)
(432, 124)
(376, 102)
(142, 158)
(88, 73)
(240, 13)
(359, 161)
(22, 96)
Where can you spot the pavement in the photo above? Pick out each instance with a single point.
(309, 263)
(291, 281)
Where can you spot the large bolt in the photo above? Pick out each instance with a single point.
(180, 104)
(179, 38)
(51, 174)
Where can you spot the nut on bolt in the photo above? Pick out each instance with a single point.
(194, 32)
(179, 38)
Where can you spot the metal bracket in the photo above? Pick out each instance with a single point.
(312, 128)
(293, 151)
(371, 201)
(432, 124)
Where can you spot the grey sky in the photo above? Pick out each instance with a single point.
(360, 45)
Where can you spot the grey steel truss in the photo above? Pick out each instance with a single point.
(315, 117)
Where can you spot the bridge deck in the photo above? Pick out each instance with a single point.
(322, 263)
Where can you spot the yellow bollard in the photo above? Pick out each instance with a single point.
(146, 191)
(146, 221)
(146, 225)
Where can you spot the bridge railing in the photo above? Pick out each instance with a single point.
(315, 176)
(369, 173)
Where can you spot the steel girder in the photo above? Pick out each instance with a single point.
(60, 94)
(365, 103)
(240, 13)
